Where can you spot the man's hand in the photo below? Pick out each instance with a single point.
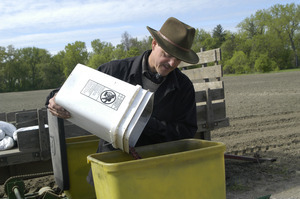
(57, 110)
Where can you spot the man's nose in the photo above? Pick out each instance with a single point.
(173, 62)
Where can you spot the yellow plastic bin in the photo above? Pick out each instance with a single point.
(189, 168)
(78, 148)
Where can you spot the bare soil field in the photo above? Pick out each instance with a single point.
(17, 101)
(264, 115)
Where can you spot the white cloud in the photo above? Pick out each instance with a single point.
(71, 14)
(46, 24)
(63, 38)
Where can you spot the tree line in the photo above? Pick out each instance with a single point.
(267, 41)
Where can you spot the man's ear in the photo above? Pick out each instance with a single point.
(153, 44)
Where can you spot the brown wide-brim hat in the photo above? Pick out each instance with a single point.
(176, 38)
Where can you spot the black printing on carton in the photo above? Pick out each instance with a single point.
(103, 94)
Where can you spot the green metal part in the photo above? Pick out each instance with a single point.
(265, 197)
(15, 188)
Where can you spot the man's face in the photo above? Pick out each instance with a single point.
(160, 61)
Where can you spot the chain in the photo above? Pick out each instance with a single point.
(28, 176)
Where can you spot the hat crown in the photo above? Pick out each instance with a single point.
(178, 32)
(176, 38)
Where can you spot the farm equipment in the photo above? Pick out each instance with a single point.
(71, 145)
(15, 188)
(167, 160)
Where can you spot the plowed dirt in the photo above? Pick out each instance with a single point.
(264, 115)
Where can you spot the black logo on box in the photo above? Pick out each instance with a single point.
(103, 94)
(108, 97)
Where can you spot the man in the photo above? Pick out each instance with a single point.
(174, 111)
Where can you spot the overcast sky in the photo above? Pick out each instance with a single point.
(52, 24)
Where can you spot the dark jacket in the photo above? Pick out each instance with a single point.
(174, 111)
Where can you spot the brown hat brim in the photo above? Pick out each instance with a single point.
(188, 56)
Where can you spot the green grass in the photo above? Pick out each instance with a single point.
(287, 70)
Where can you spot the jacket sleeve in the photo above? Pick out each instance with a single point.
(51, 94)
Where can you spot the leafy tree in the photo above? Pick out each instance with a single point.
(12, 72)
(126, 41)
(102, 53)
(251, 37)
(267, 40)
(228, 47)
(284, 20)
(271, 32)
(218, 35)
(75, 53)
(2, 67)
(132, 52)
(265, 64)
(118, 52)
(2, 54)
(97, 46)
(202, 40)
(297, 42)
(254, 25)
(258, 45)
(139, 46)
(146, 43)
(237, 64)
(53, 72)
(96, 60)
(32, 60)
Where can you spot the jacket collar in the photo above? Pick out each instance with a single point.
(135, 77)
